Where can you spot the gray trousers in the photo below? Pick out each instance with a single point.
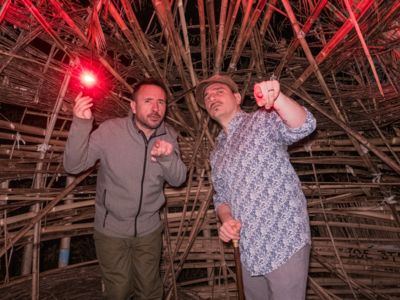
(130, 266)
(288, 282)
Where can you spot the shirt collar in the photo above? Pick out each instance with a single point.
(232, 125)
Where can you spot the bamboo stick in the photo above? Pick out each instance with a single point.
(3, 9)
(364, 45)
(35, 12)
(193, 76)
(165, 18)
(267, 17)
(211, 22)
(193, 233)
(306, 28)
(362, 288)
(38, 183)
(240, 39)
(232, 14)
(221, 29)
(203, 41)
(332, 240)
(44, 211)
(141, 39)
(253, 21)
(354, 134)
(136, 46)
(361, 9)
(320, 291)
(30, 129)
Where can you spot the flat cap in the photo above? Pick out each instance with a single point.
(217, 78)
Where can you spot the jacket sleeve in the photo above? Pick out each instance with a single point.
(173, 167)
(82, 148)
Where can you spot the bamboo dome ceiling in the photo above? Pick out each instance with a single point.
(340, 59)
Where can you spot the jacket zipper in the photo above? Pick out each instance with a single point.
(105, 207)
(146, 143)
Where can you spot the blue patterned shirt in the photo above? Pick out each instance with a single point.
(252, 174)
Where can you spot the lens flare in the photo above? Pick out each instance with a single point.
(88, 79)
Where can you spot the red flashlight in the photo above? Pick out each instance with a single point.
(88, 79)
(88, 84)
(91, 79)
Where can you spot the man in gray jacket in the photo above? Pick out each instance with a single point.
(136, 155)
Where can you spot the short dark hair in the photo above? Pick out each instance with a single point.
(148, 81)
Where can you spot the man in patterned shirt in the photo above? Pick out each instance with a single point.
(258, 196)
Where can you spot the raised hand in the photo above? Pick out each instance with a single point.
(82, 106)
(266, 93)
(161, 148)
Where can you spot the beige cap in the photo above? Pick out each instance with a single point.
(217, 78)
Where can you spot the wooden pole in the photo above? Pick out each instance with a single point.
(65, 243)
(39, 182)
(240, 38)
(5, 185)
(3, 9)
(187, 53)
(238, 266)
(353, 20)
(221, 28)
(203, 40)
(232, 13)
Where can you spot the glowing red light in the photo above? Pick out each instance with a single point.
(88, 79)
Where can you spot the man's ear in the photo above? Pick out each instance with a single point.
(133, 106)
(238, 98)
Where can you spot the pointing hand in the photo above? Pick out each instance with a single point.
(266, 93)
(161, 148)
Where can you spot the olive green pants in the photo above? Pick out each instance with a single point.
(130, 266)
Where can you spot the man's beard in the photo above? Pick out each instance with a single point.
(150, 125)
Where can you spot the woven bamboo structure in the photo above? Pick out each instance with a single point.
(341, 59)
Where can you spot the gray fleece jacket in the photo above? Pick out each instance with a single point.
(129, 191)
